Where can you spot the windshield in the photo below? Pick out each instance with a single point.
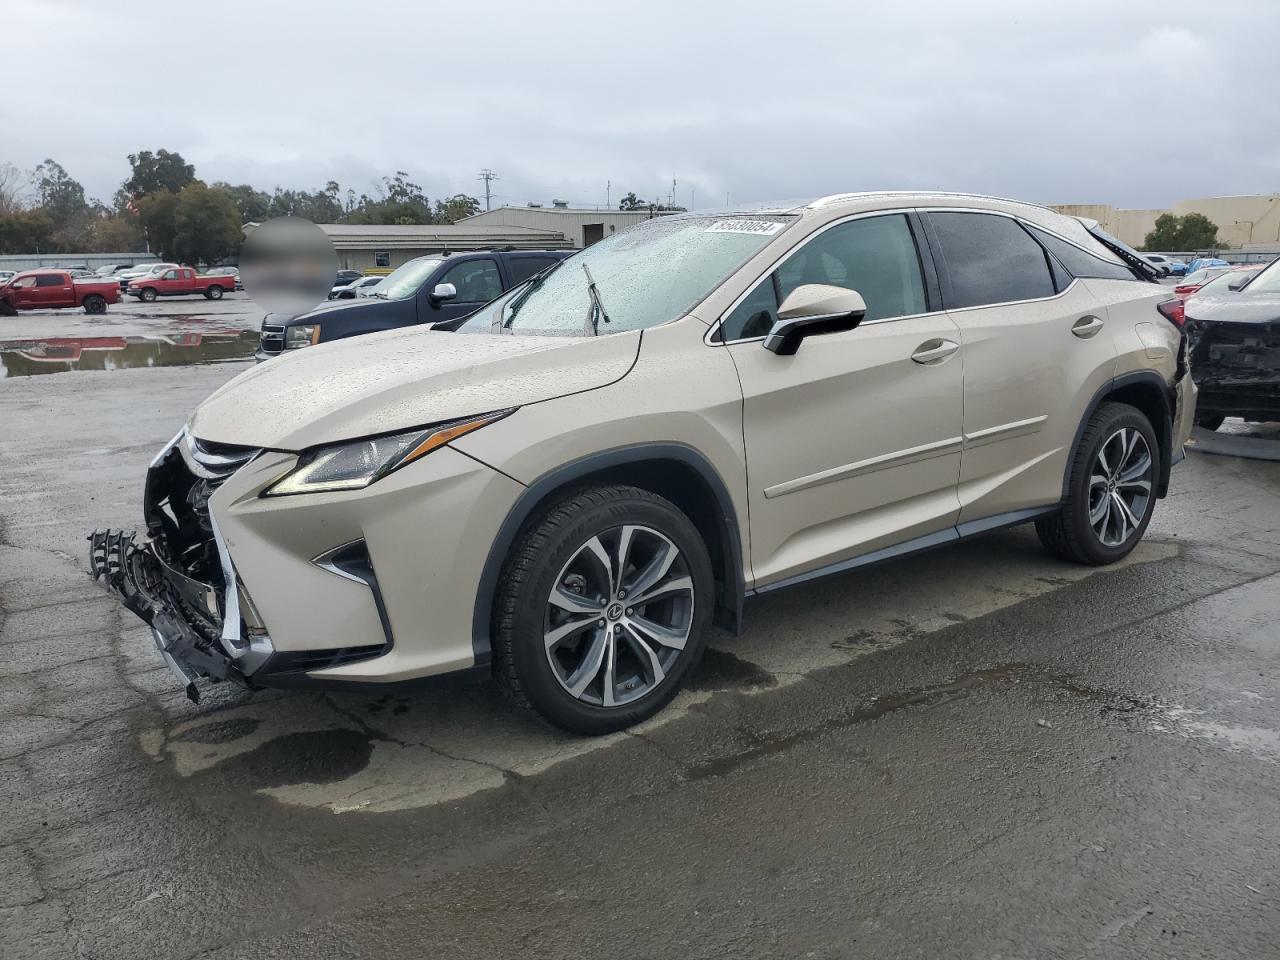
(1203, 275)
(1267, 280)
(404, 281)
(649, 274)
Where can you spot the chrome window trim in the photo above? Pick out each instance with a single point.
(711, 331)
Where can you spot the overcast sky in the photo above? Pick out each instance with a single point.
(1135, 104)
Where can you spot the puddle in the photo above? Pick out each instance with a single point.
(720, 669)
(27, 358)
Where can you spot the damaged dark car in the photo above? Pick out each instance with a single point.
(1234, 338)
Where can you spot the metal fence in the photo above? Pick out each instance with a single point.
(1256, 255)
(34, 261)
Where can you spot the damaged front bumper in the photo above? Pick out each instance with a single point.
(179, 578)
(1237, 368)
(199, 635)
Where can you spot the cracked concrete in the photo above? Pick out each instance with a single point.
(979, 751)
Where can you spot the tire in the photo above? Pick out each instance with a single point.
(214, 292)
(1211, 421)
(148, 294)
(566, 681)
(1074, 532)
(95, 304)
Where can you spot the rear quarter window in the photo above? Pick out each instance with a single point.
(1080, 263)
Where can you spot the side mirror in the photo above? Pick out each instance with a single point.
(813, 309)
(444, 291)
(1237, 284)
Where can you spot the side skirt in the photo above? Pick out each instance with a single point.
(962, 531)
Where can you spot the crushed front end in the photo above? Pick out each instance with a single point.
(178, 578)
(1236, 364)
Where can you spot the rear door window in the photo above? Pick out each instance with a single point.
(990, 259)
(522, 268)
(49, 280)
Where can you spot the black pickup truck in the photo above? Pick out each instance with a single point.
(426, 290)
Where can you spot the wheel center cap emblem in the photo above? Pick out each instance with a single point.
(614, 612)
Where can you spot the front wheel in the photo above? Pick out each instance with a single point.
(95, 304)
(214, 293)
(1111, 490)
(603, 609)
(148, 294)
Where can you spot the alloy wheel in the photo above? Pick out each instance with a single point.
(1120, 486)
(618, 616)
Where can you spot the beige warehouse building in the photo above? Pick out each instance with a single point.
(372, 248)
(1248, 222)
(580, 226)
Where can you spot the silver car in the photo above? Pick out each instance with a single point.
(566, 489)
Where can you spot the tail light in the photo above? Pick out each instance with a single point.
(1186, 289)
(1174, 311)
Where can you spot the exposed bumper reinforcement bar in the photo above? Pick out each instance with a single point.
(153, 592)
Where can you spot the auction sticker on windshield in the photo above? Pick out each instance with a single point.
(759, 227)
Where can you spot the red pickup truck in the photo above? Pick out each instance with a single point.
(180, 282)
(54, 290)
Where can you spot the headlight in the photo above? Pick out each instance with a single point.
(301, 336)
(352, 466)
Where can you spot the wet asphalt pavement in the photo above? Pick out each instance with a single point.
(977, 752)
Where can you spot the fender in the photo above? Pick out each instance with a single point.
(1164, 429)
(564, 477)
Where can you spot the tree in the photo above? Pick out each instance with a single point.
(254, 205)
(630, 202)
(455, 208)
(157, 214)
(15, 190)
(62, 201)
(1193, 231)
(154, 172)
(117, 234)
(27, 231)
(1198, 232)
(206, 225)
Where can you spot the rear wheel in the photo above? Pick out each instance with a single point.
(1111, 490)
(1211, 421)
(95, 304)
(148, 294)
(214, 293)
(603, 609)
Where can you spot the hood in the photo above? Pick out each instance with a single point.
(1242, 307)
(328, 306)
(401, 379)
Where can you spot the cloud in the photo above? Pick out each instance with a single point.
(1090, 101)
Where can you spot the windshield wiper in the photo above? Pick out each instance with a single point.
(533, 285)
(380, 295)
(597, 311)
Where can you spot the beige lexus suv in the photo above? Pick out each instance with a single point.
(569, 487)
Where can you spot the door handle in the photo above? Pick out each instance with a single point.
(934, 351)
(1086, 327)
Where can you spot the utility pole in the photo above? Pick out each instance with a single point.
(608, 194)
(487, 175)
(671, 201)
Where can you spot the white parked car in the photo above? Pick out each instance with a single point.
(364, 287)
(568, 487)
